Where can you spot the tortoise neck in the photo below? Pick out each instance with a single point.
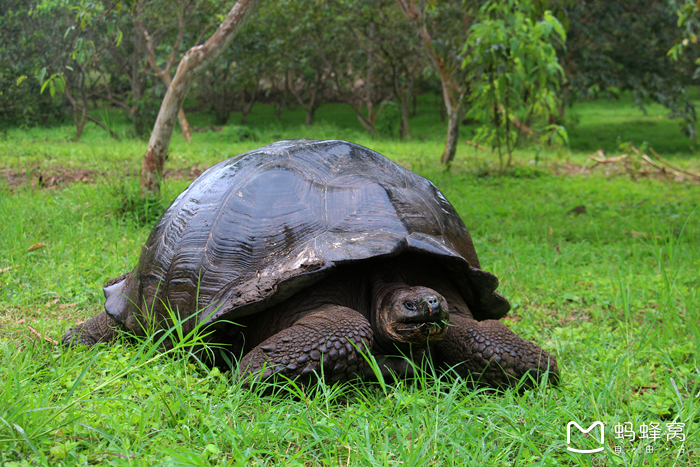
(380, 287)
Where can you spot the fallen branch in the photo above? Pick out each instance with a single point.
(668, 164)
(601, 159)
(642, 164)
(478, 146)
(646, 159)
(37, 333)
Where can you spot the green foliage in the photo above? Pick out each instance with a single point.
(389, 120)
(687, 46)
(603, 123)
(312, 54)
(233, 82)
(513, 69)
(103, 56)
(688, 21)
(129, 204)
(238, 134)
(26, 42)
(622, 46)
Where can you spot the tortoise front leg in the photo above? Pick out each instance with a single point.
(492, 354)
(99, 328)
(319, 343)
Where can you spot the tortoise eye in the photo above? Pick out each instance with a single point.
(410, 305)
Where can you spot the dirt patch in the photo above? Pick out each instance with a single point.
(52, 178)
(184, 174)
(59, 177)
(568, 169)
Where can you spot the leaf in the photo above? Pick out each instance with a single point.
(60, 83)
(554, 22)
(22, 433)
(58, 451)
(212, 449)
(613, 90)
(20, 79)
(569, 297)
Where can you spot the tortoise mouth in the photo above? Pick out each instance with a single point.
(419, 329)
(413, 315)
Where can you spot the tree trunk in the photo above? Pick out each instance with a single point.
(452, 92)
(452, 137)
(405, 111)
(367, 122)
(79, 113)
(195, 60)
(79, 122)
(280, 100)
(184, 125)
(453, 106)
(310, 115)
(165, 74)
(453, 97)
(368, 84)
(247, 106)
(313, 104)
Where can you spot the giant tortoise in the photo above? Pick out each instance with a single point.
(304, 256)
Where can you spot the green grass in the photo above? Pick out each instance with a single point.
(604, 124)
(613, 293)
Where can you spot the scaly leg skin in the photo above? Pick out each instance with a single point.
(492, 354)
(99, 328)
(319, 340)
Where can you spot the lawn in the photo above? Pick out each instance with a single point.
(604, 124)
(613, 293)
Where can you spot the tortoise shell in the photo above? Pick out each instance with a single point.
(257, 228)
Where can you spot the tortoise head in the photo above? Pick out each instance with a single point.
(409, 315)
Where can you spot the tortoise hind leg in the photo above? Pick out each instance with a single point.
(99, 328)
(319, 343)
(491, 352)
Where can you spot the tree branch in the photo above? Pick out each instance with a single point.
(195, 60)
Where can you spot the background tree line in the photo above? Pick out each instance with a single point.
(513, 65)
